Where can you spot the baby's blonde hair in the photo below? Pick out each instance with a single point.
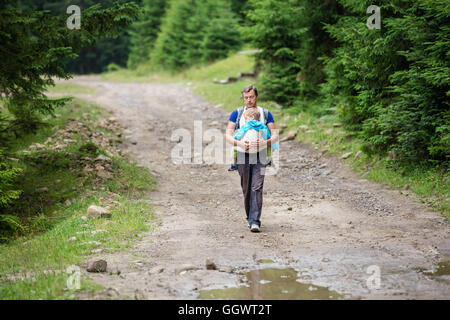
(252, 114)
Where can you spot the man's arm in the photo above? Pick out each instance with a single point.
(230, 138)
(273, 134)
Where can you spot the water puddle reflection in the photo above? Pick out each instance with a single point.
(272, 283)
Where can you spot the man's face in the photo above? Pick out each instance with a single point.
(250, 99)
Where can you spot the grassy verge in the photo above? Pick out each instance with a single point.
(68, 166)
(430, 185)
(71, 88)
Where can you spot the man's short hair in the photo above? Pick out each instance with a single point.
(250, 88)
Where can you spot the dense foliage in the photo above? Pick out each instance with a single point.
(293, 39)
(278, 32)
(195, 31)
(390, 86)
(93, 58)
(143, 32)
(35, 46)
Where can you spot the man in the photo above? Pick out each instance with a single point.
(252, 167)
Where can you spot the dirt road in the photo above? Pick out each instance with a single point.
(333, 228)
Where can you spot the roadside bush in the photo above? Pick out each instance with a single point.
(8, 193)
(391, 86)
(112, 67)
(8, 175)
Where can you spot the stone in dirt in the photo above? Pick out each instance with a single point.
(102, 158)
(97, 266)
(185, 267)
(346, 155)
(303, 127)
(156, 270)
(112, 293)
(98, 231)
(103, 174)
(96, 212)
(226, 269)
(139, 295)
(210, 265)
(290, 135)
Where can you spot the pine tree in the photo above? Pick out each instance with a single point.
(35, 45)
(221, 35)
(170, 46)
(144, 31)
(194, 31)
(277, 31)
(92, 58)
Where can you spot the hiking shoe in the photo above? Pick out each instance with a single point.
(254, 228)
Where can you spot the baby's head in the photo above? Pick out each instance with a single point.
(251, 114)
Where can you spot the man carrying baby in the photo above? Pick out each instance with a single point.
(252, 165)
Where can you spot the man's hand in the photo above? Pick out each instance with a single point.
(244, 145)
(260, 143)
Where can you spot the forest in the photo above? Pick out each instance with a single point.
(388, 86)
(94, 205)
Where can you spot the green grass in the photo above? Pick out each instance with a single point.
(71, 88)
(49, 221)
(45, 287)
(222, 69)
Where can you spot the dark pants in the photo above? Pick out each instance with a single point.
(252, 172)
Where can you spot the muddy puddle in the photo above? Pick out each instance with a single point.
(272, 283)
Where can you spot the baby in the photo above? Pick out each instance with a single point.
(251, 131)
